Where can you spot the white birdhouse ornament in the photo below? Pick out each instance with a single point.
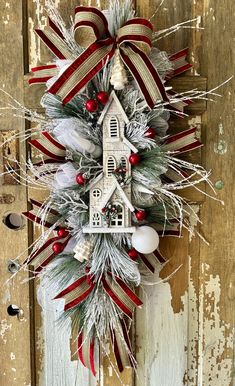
(110, 196)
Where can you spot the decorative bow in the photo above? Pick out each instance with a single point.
(117, 290)
(133, 41)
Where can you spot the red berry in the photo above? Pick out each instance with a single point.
(150, 133)
(62, 232)
(80, 179)
(102, 97)
(133, 254)
(104, 210)
(134, 159)
(57, 248)
(91, 105)
(140, 215)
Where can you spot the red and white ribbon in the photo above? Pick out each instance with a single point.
(183, 142)
(86, 350)
(118, 291)
(52, 216)
(42, 74)
(49, 147)
(44, 255)
(134, 41)
(179, 62)
(122, 347)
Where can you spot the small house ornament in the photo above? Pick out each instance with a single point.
(107, 193)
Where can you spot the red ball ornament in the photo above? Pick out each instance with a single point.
(102, 97)
(134, 159)
(150, 133)
(80, 179)
(62, 232)
(91, 105)
(57, 248)
(141, 214)
(133, 254)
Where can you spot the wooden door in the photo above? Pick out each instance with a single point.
(184, 333)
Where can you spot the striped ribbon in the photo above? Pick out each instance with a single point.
(134, 41)
(121, 349)
(183, 142)
(178, 105)
(44, 255)
(171, 228)
(51, 217)
(42, 74)
(49, 147)
(86, 350)
(118, 291)
(179, 63)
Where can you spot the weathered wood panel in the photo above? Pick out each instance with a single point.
(14, 334)
(191, 339)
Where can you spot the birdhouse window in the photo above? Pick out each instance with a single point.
(123, 162)
(113, 127)
(111, 166)
(118, 220)
(96, 193)
(96, 219)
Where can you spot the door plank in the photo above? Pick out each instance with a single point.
(14, 334)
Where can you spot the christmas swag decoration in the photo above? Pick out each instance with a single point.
(103, 150)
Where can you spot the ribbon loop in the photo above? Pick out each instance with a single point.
(90, 25)
(133, 39)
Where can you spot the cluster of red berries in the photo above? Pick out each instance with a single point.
(92, 105)
(58, 247)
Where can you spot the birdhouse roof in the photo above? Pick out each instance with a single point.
(116, 186)
(112, 97)
(95, 180)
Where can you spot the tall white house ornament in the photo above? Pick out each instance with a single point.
(105, 189)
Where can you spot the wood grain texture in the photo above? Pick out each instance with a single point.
(217, 264)
(14, 334)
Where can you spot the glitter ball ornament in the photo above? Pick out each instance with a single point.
(62, 232)
(102, 97)
(145, 239)
(134, 159)
(133, 254)
(57, 248)
(140, 215)
(150, 133)
(81, 180)
(91, 105)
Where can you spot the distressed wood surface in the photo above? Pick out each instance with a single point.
(14, 334)
(191, 339)
(184, 333)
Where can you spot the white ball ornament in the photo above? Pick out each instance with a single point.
(145, 239)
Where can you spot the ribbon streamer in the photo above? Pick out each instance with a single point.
(183, 142)
(51, 218)
(122, 356)
(133, 40)
(179, 62)
(49, 147)
(118, 291)
(86, 350)
(43, 73)
(44, 255)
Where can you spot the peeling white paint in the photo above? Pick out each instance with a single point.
(161, 338)
(216, 335)
(4, 327)
(54, 342)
